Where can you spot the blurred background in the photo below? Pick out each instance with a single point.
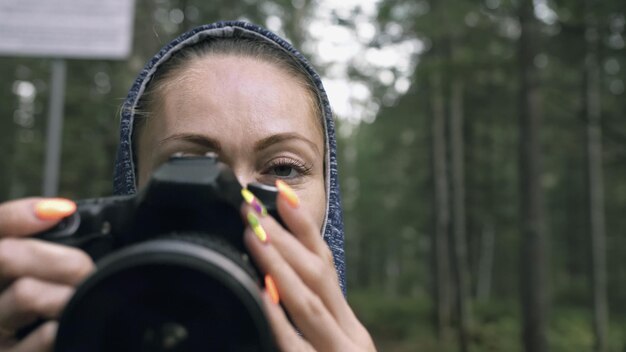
(482, 156)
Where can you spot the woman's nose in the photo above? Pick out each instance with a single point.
(243, 176)
(241, 173)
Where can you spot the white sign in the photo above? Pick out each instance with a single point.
(96, 29)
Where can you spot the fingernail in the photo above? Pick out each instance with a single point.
(270, 288)
(287, 192)
(256, 227)
(54, 208)
(254, 202)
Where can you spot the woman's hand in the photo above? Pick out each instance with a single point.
(300, 264)
(36, 278)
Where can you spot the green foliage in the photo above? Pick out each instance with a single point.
(403, 324)
(476, 42)
(398, 324)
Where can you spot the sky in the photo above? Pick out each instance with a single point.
(337, 48)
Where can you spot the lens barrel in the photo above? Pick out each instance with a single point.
(168, 294)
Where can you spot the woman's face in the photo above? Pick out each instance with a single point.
(258, 119)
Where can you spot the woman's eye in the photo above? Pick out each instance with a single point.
(286, 171)
(287, 168)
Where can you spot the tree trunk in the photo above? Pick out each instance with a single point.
(533, 249)
(459, 240)
(294, 23)
(487, 239)
(441, 276)
(485, 262)
(187, 24)
(392, 268)
(592, 111)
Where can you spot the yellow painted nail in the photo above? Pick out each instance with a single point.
(271, 289)
(247, 195)
(54, 208)
(256, 227)
(287, 192)
(254, 202)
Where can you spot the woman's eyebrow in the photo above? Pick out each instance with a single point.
(281, 137)
(197, 139)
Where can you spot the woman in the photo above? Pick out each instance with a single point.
(241, 92)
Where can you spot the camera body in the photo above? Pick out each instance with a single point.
(186, 194)
(172, 271)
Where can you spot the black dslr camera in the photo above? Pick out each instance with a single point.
(174, 273)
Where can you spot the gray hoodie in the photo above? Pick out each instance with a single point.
(125, 181)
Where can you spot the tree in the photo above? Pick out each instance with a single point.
(440, 245)
(533, 251)
(459, 240)
(597, 233)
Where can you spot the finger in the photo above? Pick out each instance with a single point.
(40, 340)
(28, 299)
(306, 309)
(285, 336)
(294, 245)
(301, 224)
(317, 273)
(42, 260)
(7, 339)
(28, 216)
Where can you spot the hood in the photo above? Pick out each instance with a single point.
(124, 180)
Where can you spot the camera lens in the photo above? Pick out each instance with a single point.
(167, 337)
(168, 295)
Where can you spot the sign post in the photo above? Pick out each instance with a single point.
(55, 128)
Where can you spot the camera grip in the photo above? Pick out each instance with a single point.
(63, 232)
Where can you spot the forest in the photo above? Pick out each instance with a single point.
(482, 149)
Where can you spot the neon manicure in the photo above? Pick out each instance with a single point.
(254, 202)
(256, 227)
(270, 288)
(287, 193)
(54, 208)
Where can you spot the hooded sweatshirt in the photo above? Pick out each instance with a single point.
(125, 179)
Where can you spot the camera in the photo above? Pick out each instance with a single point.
(172, 271)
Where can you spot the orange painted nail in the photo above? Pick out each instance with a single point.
(54, 208)
(287, 192)
(270, 288)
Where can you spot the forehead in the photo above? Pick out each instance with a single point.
(232, 94)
